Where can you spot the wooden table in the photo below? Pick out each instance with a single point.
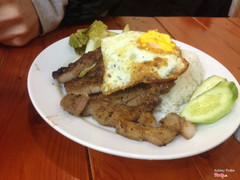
(31, 149)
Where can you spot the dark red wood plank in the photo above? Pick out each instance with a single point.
(105, 166)
(207, 38)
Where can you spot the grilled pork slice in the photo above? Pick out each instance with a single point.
(74, 104)
(83, 85)
(107, 110)
(109, 115)
(91, 84)
(88, 84)
(147, 119)
(163, 87)
(65, 74)
(124, 106)
(136, 131)
(131, 97)
(171, 126)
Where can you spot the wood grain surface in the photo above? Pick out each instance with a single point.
(31, 149)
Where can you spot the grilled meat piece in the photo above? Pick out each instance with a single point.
(164, 87)
(187, 129)
(83, 85)
(156, 135)
(124, 105)
(93, 103)
(147, 119)
(89, 84)
(65, 74)
(131, 96)
(140, 97)
(74, 104)
(171, 126)
(109, 110)
(110, 115)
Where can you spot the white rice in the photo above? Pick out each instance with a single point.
(185, 85)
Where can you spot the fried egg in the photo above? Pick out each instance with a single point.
(134, 57)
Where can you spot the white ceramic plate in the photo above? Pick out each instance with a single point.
(46, 94)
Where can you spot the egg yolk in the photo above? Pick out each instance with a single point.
(156, 42)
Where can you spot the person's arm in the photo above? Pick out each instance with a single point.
(50, 13)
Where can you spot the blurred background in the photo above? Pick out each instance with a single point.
(77, 12)
(234, 10)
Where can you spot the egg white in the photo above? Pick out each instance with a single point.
(126, 64)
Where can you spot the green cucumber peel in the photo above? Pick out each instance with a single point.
(211, 105)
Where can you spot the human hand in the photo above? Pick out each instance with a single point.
(19, 22)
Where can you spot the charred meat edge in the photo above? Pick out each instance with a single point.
(65, 74)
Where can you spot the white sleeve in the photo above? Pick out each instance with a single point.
(50, 13)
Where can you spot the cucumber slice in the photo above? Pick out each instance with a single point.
(207, 84)
(212, 104)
